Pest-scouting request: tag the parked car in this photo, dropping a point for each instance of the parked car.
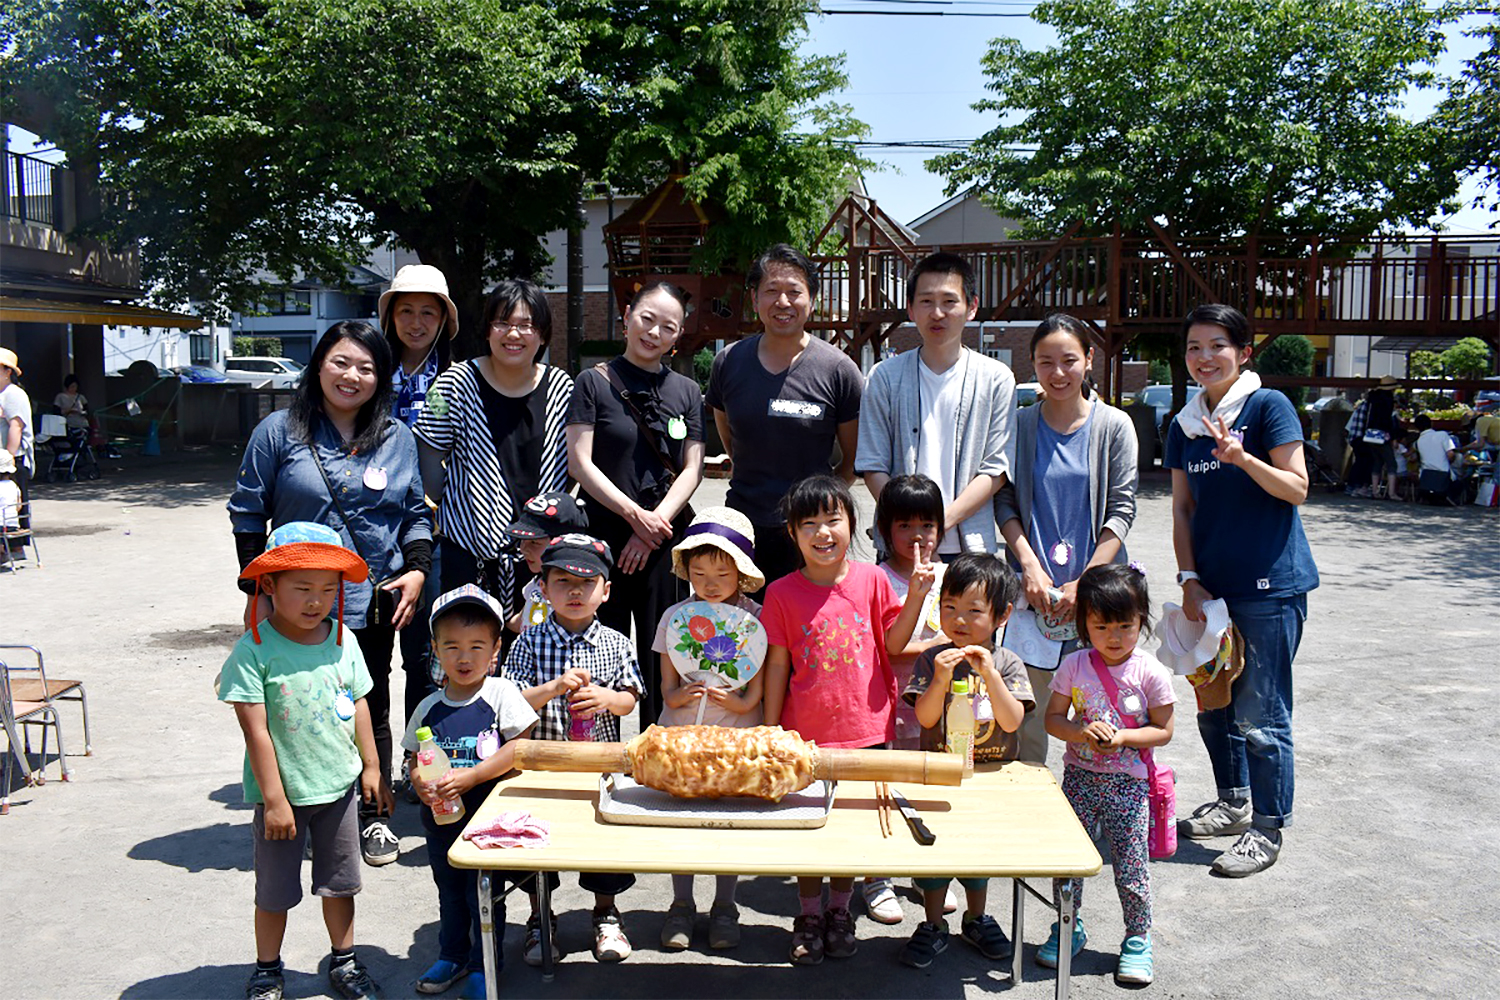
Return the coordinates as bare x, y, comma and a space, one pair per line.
1321, 403
277, 373
1159, 397
197, 373
1487, 400
1028, 393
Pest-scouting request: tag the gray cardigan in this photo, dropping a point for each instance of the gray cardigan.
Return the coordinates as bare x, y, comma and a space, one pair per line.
888, 423
1112, 472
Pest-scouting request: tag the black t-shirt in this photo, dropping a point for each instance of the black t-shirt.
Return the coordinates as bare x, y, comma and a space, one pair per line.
518, 425
621, 452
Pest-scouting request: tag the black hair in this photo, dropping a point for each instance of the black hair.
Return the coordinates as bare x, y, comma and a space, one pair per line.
907, 498
70, 379
442, 346
1382, 410
1114, 592
373, 419
945, 263
1073, 327
1423, 422
503, 300
783, 253
466, 614
990, 574
717, 551
813, 496
658, 285
1216, 314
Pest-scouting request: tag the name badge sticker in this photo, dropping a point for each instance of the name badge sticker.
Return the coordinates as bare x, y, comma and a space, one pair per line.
375, 477
797, 409
343, 704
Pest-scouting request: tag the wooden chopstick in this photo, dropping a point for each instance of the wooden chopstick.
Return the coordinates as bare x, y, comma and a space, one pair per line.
883, 807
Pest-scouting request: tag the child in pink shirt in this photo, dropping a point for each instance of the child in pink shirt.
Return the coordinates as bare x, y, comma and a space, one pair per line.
831, 628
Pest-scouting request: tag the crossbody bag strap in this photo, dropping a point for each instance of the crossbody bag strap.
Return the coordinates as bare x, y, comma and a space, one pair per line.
334, 496
1113, 690
613, 377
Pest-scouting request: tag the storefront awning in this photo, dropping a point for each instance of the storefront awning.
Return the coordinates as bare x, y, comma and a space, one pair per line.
15, 310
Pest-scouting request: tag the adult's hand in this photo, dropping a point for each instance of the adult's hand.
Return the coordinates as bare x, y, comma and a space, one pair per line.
1228, 447
408, 587
1035, 583
650, 526
633, 556
1193, 596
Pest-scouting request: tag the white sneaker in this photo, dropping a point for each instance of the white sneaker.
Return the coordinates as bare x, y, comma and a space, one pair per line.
610, 942
881, 902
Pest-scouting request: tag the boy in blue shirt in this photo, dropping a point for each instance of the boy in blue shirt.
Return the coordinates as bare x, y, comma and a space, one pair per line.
473, 719
298, 691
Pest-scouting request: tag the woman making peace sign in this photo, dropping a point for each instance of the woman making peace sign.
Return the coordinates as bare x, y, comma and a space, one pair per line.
1238, 476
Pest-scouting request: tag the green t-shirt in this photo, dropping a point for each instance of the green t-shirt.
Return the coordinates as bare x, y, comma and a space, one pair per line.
300, 686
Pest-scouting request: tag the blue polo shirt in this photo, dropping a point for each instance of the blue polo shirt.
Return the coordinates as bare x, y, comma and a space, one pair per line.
1246, 543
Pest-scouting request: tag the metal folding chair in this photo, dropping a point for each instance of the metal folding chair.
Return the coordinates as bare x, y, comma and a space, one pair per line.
30, 700
13, 540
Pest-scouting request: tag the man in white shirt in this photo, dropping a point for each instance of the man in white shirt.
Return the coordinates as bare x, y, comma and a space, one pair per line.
1436, 449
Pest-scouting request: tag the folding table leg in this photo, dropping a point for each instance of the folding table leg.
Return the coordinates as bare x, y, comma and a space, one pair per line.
1017, 928
544, 925
487, 935
1065, 920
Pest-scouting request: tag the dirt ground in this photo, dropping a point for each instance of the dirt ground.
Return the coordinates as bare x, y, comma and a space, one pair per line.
134, 878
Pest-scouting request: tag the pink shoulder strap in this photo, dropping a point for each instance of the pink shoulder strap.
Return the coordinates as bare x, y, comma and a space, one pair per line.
1113, 690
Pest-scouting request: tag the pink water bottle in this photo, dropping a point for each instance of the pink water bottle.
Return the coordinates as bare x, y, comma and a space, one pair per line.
1162, 836
580, 728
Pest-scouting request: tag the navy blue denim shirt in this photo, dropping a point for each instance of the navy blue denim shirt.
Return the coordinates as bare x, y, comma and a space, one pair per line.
381, 492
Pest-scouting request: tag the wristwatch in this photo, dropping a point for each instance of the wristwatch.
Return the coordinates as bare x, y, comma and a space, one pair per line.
1184, 575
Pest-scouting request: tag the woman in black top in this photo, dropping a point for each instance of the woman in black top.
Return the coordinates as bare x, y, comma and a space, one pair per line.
637, 482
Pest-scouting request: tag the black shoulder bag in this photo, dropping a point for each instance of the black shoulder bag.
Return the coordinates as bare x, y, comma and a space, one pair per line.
657, 494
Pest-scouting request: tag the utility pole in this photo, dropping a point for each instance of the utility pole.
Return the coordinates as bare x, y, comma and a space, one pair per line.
575, 282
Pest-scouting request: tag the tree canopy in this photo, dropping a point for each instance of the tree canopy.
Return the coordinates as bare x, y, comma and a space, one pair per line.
1218, 117
290, 135
1471, 114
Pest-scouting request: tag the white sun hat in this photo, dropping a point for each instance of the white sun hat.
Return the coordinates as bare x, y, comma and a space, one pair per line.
727, 529
1186, 644
417, 278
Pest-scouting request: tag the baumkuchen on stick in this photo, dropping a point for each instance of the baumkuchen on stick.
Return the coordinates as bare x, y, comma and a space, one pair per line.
764, 762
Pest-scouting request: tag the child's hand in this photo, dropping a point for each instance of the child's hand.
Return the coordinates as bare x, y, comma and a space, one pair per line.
946, 662
1115, 741
980, 660
923, 573
1100, 735
588, 701
426, 791
280, 821
726, 698
573, 679
686, 695
456, 782
376, 790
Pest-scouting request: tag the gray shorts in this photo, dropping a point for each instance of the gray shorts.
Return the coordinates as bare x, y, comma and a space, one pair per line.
334, 828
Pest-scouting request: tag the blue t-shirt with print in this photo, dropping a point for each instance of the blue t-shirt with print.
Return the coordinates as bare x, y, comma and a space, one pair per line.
1246, 543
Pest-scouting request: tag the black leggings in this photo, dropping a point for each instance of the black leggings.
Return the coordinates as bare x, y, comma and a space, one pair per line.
377, 642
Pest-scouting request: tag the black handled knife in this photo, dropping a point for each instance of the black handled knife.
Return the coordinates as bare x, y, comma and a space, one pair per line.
919, 830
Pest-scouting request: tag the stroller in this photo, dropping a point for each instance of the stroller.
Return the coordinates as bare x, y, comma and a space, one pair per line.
1320, 471
72, 455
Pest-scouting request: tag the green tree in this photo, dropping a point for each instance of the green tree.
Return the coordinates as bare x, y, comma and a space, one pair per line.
288, 135
1289, 354
1471, 116
1424, 364
1469, 358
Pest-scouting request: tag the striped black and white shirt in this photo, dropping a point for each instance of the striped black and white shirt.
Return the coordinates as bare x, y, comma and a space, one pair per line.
477, 504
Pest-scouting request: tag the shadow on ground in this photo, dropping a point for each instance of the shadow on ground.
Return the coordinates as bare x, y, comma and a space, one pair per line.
220, 847
229, 980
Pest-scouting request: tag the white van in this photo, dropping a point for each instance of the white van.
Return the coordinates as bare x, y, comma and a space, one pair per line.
274, 373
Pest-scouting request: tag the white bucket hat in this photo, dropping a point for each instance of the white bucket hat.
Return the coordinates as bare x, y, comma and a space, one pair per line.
1186, 644
7, 461
417, 278
727, 529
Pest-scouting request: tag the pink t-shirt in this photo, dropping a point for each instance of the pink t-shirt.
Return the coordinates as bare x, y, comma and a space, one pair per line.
842, 691
1142, 679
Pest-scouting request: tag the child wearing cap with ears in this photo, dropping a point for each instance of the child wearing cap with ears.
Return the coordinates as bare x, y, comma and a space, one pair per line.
473, 718
542, 518
572, 662
298, 691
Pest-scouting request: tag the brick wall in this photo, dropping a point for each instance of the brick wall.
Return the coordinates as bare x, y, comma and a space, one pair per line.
596, 311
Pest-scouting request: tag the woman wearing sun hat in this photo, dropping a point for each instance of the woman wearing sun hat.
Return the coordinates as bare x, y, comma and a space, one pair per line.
15, 420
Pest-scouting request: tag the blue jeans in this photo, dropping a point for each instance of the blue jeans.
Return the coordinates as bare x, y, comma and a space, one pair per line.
459, 939
1249, 743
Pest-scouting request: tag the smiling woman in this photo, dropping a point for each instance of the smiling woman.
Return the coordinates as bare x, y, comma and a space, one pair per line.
337, 458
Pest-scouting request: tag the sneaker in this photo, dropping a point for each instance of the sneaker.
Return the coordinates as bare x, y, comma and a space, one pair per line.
265, 984
807, 939
439, 976
881, 902
1253, 852
352, 982
1135, 965
1215, 819
610, 942
838, 933
677, 929
378, 844
926, 943
985, 934
474, 987
723, 926
531, 950
1046, 955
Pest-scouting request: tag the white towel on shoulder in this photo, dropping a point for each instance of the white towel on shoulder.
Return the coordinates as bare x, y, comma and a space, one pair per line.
1191, 417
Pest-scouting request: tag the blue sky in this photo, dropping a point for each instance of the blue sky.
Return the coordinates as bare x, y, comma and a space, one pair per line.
916, 77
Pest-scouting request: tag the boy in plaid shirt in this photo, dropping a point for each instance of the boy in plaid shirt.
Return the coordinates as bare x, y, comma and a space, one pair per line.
571, 663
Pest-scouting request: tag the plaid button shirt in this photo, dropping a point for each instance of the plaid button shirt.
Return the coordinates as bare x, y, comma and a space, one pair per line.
545, 652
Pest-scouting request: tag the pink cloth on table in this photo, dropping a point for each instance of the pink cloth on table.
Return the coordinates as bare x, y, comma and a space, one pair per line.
511, 829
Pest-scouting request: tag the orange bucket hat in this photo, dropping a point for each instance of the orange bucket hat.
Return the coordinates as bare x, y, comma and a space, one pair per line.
306, 545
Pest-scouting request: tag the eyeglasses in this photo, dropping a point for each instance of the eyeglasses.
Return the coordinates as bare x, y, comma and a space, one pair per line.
503, 326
